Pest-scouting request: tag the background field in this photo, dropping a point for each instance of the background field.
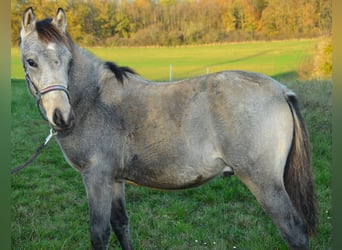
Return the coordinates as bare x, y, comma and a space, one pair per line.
274, 58
49, 207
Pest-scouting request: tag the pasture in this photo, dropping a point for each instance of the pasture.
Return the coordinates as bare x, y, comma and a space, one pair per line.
49, 206
276, 58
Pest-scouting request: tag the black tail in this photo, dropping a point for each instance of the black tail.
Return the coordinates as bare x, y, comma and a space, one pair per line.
298, 177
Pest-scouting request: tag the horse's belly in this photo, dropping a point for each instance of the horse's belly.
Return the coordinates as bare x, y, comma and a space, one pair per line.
176, 175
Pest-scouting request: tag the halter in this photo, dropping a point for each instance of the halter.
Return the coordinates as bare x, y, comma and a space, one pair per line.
37, 95
40, 92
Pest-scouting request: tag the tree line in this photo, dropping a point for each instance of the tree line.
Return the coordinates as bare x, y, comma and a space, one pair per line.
182, 22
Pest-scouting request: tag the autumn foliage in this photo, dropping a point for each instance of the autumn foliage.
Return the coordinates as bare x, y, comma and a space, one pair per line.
182, 22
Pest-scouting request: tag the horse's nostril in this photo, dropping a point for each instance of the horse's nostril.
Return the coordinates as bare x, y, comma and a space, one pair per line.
58, 119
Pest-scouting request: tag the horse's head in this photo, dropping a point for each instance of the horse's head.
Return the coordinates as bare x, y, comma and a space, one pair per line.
46, 56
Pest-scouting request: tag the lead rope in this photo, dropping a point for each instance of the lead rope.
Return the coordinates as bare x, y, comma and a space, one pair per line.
34, 156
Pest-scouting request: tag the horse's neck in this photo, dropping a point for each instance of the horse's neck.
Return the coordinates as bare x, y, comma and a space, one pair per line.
86, 65
84, 76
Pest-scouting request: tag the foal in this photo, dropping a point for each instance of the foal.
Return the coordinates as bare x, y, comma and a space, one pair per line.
113, 126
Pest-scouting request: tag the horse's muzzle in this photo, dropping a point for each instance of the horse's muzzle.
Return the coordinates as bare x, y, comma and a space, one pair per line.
61, 123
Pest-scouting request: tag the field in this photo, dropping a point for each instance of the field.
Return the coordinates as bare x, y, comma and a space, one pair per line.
49, 206
274, 58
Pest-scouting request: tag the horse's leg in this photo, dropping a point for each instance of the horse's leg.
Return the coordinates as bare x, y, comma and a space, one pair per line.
99, 189
271, 194
119, 219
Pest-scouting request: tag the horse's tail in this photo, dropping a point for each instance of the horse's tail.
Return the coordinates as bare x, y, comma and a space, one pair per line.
298, 177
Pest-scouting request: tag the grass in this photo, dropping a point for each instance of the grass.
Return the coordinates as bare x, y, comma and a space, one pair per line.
49, 206
273, 58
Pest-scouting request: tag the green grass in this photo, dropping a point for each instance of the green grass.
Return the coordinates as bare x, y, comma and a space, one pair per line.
49, 206
273, 58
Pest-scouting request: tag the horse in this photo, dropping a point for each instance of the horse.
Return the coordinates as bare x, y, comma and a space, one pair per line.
114, 127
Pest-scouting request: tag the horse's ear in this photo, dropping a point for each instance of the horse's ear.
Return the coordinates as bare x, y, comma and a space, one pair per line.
60, 20
28, 22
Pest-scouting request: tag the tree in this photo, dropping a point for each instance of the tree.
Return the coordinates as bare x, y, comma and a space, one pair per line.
176, 22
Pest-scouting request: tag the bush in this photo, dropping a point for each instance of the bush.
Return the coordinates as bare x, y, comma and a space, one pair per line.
318, 66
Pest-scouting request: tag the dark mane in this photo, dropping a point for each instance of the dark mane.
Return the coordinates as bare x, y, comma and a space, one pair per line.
47, 32
119, 72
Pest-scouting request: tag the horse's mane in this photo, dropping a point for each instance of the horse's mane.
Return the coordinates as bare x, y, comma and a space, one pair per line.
47, 32
119, 72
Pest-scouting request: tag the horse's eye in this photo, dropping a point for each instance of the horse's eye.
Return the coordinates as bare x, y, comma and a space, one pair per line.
32, 63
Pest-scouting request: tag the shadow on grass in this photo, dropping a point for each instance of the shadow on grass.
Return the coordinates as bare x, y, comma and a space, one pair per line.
286, 76
240, 59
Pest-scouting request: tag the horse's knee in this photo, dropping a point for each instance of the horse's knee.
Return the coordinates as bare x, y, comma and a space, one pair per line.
123, 235
120, 225
99, 192
99, 235
99, 238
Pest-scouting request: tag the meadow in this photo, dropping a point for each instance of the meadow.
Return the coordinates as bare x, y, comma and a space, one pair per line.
275, 58
49, 207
